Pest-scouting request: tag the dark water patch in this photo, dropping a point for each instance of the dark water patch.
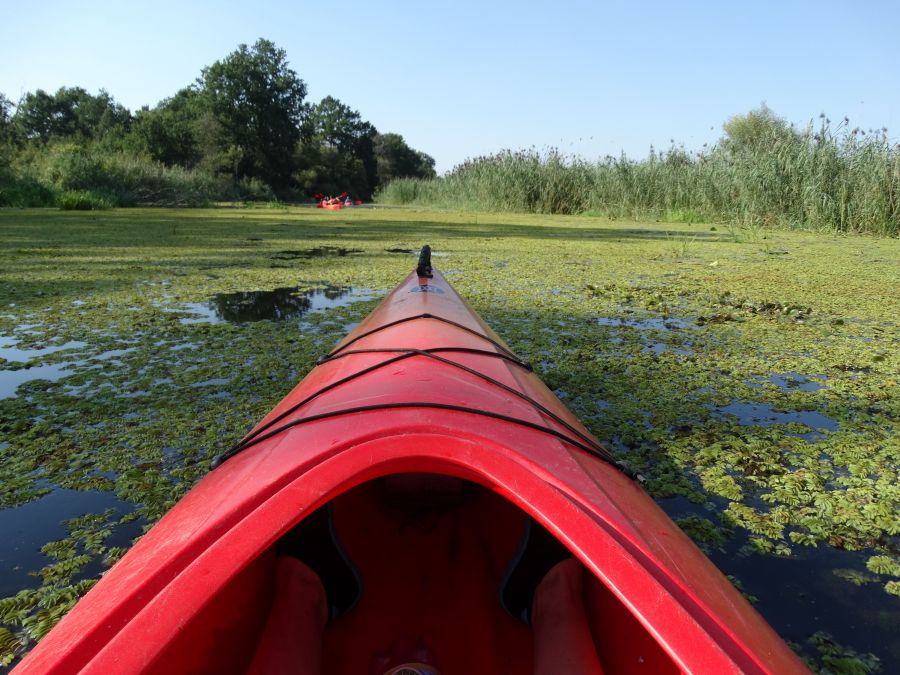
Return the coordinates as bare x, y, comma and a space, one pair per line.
282, 303
26, 528
279, 304
662, 347
316, 252
854, 369
650, 328
202, 312
21, 365
214, 382
11, 352
112, 354
802, 594
815, 589
763, 415
795, 382
645, 322
405, 251
11, 380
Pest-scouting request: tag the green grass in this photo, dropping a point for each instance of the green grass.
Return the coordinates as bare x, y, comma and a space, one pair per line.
710, 317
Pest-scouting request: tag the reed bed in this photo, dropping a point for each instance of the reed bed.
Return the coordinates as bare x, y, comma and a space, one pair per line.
828, 178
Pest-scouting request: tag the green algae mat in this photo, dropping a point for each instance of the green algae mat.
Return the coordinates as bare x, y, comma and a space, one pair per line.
749, 375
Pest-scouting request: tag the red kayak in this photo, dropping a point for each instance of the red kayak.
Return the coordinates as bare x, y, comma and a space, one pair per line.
421, 393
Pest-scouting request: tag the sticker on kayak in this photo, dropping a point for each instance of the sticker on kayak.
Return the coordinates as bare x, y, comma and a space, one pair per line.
426, 288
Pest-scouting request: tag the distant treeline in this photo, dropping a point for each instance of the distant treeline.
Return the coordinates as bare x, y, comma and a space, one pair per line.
762, 172
243, 130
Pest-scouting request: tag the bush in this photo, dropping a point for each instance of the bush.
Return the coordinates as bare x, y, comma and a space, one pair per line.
253, 190
83, 200
115, 178
23, 191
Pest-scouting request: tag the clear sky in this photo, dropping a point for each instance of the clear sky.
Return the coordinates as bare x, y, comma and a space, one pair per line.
460, 79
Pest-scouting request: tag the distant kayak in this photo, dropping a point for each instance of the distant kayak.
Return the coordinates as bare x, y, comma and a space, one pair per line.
339, 205
421, 387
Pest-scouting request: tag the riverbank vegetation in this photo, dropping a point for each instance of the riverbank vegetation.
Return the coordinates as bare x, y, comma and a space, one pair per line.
764, 172
242, 130
750, 375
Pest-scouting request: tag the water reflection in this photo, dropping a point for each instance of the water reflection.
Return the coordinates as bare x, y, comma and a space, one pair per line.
317, 252
647, 327
805, 592
10, 380
764, 415
279, 304
795, 381
11, 352
25, 529
23, 367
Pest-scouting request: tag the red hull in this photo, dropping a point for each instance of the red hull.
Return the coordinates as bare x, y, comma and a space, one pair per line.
192, 594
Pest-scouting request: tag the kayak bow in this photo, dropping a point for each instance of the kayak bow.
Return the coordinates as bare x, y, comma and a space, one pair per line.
421, 386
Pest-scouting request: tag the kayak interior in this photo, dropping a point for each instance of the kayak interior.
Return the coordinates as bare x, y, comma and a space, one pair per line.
432, 553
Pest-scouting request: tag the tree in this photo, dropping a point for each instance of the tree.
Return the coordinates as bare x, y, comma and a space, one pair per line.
258, 102
336, 136
169, 132
70, 113
6, 115
36, 116
397, 160
759, 128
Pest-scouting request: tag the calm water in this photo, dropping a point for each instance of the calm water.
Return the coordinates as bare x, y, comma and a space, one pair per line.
279, 304
801, 594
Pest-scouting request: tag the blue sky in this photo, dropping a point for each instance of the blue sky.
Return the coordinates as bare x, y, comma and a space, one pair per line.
467, 78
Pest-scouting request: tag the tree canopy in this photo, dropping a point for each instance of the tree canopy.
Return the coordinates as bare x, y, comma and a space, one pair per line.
258, 102
244, 119
6, 112
758, 128
397, 160
69, 113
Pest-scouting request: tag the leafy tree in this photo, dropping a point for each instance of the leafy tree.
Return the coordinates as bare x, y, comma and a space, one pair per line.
6, 114
336, 124
397, 160
169, 133
71, 113
337, 140
6, 136
37, 116
323, 168
244, 118
257, 101
759, 128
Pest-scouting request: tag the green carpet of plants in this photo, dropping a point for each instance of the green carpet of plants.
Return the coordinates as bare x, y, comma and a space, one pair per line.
749, 374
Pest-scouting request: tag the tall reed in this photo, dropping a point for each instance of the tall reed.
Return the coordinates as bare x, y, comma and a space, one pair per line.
828, 178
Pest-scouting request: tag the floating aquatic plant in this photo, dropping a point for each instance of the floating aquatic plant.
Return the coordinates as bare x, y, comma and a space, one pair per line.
684, 368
